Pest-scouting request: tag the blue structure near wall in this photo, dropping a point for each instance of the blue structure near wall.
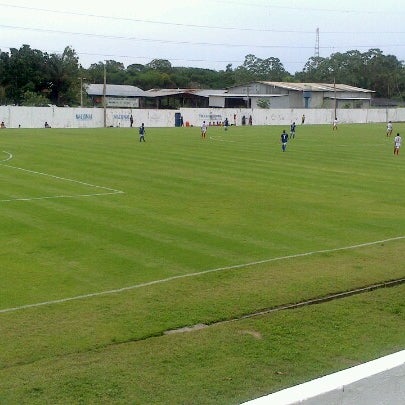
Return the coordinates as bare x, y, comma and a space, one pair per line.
307, 98
177, 119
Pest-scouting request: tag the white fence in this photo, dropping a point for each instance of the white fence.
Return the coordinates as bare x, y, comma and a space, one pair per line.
65, 117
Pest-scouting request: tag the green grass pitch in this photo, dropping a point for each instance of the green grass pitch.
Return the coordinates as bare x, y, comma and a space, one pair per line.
108, 243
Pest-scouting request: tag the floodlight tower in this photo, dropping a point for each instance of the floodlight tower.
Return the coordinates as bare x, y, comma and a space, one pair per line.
317, 44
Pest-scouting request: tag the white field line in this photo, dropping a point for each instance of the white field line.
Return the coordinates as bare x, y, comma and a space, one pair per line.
199, 273
219, 139
106, 192
10, 156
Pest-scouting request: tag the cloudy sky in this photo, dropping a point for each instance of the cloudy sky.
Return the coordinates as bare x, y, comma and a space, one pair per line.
203, 33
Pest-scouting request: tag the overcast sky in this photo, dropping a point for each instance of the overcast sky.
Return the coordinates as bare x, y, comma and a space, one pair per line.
203, 33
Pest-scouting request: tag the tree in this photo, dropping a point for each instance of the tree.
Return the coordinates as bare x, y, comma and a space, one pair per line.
35, 99
371, 70
154, 79
63, 77
27, 72
136, 68
23, 71
4, 62
313, 70
115, 72
254, 68
163, 65
382, 73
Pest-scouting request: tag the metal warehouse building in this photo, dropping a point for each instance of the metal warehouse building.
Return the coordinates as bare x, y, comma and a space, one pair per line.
263, 94
255, 95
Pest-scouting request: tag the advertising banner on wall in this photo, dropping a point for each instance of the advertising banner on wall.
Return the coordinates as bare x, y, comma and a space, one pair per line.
122, 102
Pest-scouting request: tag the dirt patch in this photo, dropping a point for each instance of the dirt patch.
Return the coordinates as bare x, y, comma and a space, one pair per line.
255, 334
186, 329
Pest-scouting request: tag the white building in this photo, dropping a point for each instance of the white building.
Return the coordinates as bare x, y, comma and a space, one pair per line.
263, 94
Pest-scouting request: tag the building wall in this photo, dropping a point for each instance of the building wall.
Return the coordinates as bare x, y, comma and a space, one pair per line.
59, 117
284, 116
274, 102
319, 99
217, 101
316, 100
64, 117
296, 100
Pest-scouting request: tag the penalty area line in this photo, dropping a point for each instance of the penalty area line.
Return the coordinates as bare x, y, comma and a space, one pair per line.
108, 190
10, 156
195, 274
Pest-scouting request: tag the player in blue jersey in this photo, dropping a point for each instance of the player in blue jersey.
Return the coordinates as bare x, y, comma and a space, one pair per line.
284, 140
292, 130
142, 132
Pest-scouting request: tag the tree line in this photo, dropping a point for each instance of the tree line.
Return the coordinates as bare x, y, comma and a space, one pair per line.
30, 77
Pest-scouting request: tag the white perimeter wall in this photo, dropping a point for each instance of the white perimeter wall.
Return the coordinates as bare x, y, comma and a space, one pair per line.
64, 117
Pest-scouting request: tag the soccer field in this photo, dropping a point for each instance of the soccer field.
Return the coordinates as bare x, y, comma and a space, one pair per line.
109, 243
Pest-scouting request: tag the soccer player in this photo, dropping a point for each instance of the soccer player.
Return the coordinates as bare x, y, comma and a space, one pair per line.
397, 144
292, 130
284, 140
389, 128
335, 122
142, 133
203, 130
226, 124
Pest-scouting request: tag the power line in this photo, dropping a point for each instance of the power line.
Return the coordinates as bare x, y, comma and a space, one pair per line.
294, 8
204, 26
232, 45
167, 41
140, 20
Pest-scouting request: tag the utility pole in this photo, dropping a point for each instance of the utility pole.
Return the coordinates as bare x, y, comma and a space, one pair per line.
104, 96
81, 91
334, 91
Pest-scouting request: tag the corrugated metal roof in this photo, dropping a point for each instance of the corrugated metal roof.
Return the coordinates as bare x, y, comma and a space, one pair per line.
114, 90
172, 92
244, 95
210, 92
347, 98
162, 92
316, 86
132, 91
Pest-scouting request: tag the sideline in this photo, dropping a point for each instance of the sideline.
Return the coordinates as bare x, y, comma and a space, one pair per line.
199, 273
108, 191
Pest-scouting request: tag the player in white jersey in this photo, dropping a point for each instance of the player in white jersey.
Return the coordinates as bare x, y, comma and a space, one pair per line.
389, 128
397, 144
203, 130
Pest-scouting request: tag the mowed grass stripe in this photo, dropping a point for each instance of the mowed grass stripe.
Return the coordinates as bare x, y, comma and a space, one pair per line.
236, 362
137, 314
191, 206
216, 206
209, 196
